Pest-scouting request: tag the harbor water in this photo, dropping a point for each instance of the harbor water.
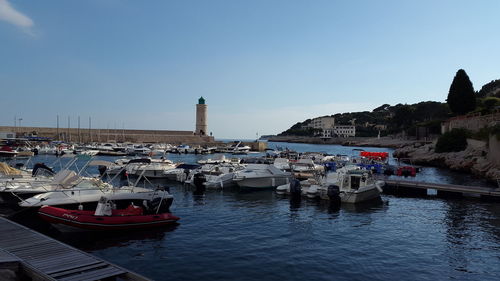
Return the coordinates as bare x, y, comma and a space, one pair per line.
258, 235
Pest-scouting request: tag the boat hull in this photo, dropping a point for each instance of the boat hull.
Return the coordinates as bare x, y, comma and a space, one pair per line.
360, 195
267, 182
87, 221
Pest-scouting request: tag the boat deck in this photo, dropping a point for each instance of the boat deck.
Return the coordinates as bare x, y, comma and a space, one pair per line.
43, 258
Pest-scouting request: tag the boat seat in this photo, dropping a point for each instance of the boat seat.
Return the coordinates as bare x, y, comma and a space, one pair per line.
131, 210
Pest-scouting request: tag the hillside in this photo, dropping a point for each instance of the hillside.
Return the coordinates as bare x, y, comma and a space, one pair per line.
395, 118
491, 89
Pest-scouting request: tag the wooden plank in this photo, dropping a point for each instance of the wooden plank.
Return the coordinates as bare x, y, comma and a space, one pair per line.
54, 265
67, 260
41, 256
63, 260
7, 257
64, 271
102, 273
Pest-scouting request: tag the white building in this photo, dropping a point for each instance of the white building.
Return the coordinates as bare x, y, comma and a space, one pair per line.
327, 133
326, 122
329, 129
345, 131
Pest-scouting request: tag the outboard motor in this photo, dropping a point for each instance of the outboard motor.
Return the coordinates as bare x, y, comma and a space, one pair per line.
102, 169
389, 170
39, 167
35, 151
163, 206
19, 165
198, 180
333, 193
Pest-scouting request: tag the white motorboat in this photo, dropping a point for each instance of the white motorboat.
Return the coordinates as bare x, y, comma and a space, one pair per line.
216, 175
62, 181
181, 172
282, 164
351, 183
138, 150
18, 190
306, 168
87, 198
221, 158
355, 185
261, 176
150, 168
303, 188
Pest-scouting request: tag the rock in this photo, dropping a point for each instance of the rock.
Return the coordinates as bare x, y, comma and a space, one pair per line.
472, 160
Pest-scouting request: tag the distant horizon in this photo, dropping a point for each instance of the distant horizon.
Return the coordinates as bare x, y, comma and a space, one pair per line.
262, 66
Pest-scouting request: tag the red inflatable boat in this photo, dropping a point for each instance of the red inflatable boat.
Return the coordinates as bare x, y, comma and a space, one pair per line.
374, 155
129, 218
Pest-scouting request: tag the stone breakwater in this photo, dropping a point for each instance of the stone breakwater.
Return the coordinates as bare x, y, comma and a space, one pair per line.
474, 159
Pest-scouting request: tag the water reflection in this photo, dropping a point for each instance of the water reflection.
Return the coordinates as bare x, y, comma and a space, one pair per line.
365, 207
458, 234
92, 241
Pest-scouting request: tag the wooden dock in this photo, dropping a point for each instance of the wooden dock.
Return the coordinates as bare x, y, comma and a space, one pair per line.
40, 257
489, 192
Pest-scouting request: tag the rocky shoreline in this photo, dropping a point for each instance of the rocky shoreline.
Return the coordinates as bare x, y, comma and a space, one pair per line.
474, 159
364, 142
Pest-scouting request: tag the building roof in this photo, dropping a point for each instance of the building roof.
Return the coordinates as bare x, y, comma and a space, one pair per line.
201, 100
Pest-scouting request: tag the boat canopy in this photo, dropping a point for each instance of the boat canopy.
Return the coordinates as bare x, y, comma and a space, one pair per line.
140, 160
101, 163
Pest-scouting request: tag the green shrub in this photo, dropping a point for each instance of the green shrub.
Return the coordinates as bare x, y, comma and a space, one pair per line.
453, 141
495, 130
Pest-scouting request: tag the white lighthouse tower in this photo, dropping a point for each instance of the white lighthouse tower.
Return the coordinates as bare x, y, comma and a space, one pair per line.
201, 118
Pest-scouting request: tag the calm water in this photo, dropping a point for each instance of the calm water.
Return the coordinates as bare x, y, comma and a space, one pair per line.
234, 235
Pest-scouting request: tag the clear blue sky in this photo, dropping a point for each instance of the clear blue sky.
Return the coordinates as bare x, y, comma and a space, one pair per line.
261, 65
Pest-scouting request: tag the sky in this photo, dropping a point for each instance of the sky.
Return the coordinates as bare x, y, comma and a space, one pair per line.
261, 65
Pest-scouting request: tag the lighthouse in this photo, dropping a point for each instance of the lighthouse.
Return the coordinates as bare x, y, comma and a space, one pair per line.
201, 117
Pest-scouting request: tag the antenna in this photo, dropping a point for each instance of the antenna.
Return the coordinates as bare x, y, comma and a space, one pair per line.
79, 136
57, 130
68, 137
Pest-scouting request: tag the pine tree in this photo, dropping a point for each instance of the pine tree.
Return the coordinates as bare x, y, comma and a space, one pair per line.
461, 98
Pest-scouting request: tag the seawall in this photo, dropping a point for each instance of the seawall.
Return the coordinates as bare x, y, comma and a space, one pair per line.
111, 135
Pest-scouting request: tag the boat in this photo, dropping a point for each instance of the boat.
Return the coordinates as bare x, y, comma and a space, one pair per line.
282, 164
216, 175
355, 185
406, 171
181, 172
149, 168
183, 148
306, 168
221, 158
375, 156
105, 217
239, 149
7, 151
87, 198
17, 190
350, 184
261, 176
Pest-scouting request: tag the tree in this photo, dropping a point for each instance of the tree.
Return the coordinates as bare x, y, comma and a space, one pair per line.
453, 141
461, 97
403, 117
